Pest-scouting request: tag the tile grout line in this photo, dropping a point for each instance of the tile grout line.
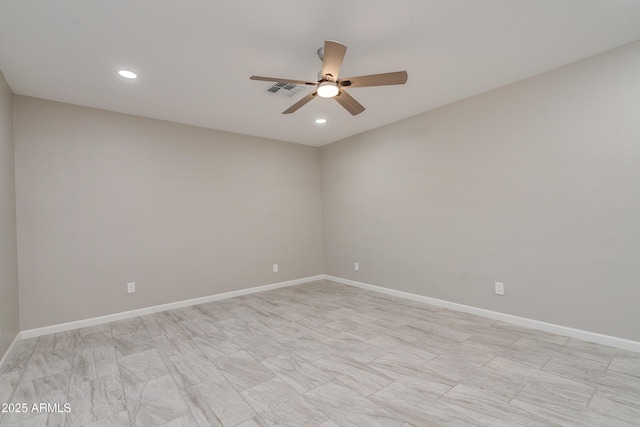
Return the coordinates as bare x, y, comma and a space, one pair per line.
316, 406
608, 364
124, 393
546, 363
26, 365
155, 346
73, 354
213, 362
592, 396
258, 414
516, 395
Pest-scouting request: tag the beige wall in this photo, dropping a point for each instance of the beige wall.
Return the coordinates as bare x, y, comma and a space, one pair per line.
105, 198
9, 318
535, 185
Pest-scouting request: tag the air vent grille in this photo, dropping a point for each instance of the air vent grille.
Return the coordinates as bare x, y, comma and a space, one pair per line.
288, 90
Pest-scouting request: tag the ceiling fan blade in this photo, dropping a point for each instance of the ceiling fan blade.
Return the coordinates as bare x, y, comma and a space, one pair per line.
396, 78
349, 103
276, 79
300, 103
332, 59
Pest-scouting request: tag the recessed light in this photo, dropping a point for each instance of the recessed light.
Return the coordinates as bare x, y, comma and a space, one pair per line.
321, 121
128, 74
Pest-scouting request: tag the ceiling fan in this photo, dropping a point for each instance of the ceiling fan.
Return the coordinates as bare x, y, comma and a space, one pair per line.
330, 86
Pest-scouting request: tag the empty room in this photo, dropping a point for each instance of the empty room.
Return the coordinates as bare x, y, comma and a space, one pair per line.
325, 214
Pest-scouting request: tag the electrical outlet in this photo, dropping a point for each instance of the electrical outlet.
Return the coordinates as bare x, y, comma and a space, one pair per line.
275, 268
131, 287
499, 288
356, 266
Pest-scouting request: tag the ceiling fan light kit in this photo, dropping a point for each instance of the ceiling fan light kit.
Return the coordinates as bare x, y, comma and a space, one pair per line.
330, 86
327, 89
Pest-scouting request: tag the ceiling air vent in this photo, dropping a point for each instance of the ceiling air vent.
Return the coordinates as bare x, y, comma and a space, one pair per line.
285, 89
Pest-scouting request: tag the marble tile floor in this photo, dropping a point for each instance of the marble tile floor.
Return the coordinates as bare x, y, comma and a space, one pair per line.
318, 354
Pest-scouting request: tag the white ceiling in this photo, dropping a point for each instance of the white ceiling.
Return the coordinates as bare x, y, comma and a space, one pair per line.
194, 57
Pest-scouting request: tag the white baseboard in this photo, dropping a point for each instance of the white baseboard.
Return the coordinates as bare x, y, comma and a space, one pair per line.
6, 354
516, 320
30, 333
